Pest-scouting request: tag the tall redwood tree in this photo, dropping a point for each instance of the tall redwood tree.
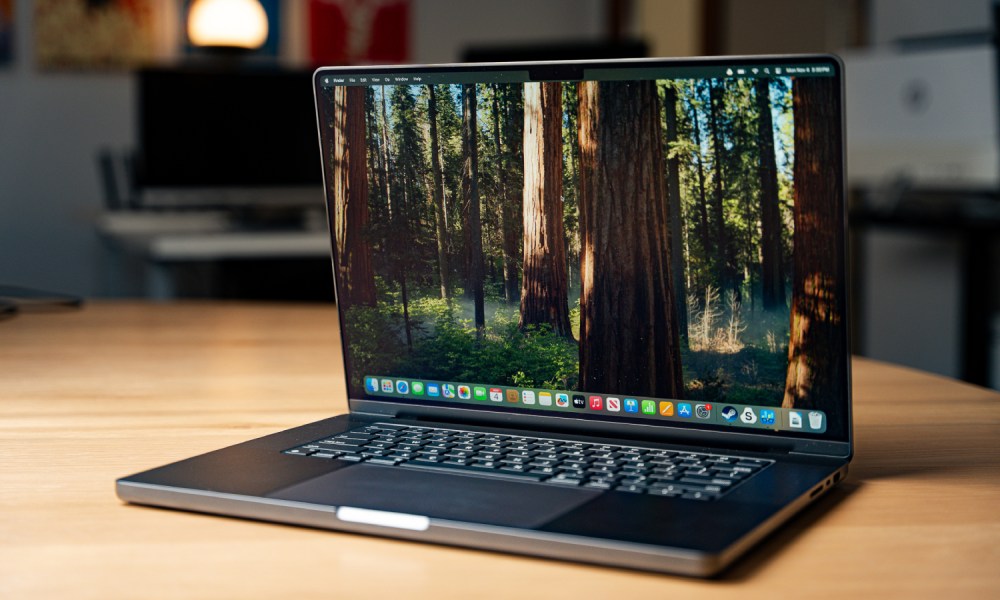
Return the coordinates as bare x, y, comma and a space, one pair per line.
629, 339
470, 196
349, 191
772, 274
816, 344
544, 295
438, 193
675, 215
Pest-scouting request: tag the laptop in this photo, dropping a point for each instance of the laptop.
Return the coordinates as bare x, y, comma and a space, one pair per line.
591, 311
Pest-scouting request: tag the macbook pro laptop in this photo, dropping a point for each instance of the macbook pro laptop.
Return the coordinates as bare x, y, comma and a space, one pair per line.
592, 311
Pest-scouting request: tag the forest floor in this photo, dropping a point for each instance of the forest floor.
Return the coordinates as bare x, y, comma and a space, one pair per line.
751, 376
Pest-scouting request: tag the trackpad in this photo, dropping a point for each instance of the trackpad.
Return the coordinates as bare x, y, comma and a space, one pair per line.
439, 495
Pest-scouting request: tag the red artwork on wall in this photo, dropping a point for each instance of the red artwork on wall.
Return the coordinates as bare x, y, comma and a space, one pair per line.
359, 31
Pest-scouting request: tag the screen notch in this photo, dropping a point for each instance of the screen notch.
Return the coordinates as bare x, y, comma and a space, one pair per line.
555, 72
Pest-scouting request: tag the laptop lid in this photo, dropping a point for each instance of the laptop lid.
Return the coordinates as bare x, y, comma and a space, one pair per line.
642, 247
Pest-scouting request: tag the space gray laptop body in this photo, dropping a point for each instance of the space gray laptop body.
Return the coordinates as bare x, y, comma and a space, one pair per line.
589, 311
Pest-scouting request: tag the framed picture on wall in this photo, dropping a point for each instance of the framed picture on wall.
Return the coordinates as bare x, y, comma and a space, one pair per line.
344, 32
93, 34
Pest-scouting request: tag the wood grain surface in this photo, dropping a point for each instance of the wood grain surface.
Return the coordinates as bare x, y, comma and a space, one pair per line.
88, 396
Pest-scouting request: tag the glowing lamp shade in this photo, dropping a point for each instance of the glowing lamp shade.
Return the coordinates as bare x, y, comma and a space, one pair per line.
227, 23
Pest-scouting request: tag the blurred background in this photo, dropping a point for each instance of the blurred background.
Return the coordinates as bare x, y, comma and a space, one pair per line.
166, 148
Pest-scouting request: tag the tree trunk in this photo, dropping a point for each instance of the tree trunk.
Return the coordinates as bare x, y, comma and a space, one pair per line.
544, 295
373, 152
349, 190
718, 216
438, 195
816, 349
772, 276
675, 216
703, 234
629, 339
512, 195
470, 191
385, 157
507, 260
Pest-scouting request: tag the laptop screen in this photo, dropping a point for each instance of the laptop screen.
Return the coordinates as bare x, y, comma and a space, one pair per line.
659, 242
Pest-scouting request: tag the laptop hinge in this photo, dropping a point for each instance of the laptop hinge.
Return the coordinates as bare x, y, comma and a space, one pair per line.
691, 438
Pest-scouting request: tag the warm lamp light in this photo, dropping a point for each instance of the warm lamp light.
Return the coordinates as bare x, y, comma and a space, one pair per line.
227, 23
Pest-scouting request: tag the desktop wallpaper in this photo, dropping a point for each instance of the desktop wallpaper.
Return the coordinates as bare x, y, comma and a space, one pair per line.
631, 237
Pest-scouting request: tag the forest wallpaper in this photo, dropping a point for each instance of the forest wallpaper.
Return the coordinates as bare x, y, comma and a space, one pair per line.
629, 237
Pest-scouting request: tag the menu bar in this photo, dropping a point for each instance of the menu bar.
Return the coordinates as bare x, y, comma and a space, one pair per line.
408, 78
752, 71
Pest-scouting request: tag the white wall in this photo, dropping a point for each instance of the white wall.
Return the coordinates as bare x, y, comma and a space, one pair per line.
443, 28
52, 125
892, 20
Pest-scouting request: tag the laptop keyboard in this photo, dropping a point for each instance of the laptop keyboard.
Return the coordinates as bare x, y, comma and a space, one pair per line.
621, 468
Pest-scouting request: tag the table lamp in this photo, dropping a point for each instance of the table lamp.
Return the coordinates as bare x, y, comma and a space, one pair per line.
229, 24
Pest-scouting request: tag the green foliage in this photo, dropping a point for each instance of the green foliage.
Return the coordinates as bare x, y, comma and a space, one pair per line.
448, 347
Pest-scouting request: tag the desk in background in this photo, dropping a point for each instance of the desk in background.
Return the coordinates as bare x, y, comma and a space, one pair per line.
969, 217
163, 244
89, 396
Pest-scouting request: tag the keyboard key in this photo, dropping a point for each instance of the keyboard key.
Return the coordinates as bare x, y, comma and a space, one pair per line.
663, 492
632, 489
547, 471
351, 457
513, 467
718, 481
679, 488
300, 451
698, 496
562, 479
340, 447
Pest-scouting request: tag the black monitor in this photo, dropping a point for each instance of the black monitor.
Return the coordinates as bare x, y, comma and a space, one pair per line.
210, 137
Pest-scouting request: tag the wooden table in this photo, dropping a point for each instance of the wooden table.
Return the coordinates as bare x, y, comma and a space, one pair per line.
89, 396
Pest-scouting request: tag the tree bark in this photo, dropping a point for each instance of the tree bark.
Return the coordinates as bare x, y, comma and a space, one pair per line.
349, 190
513, 193
544, 295
816, 349
772, 275
722, 249
675, 215
438, 194
507, 217
470, 191
629, 339
385, 157
703, 234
